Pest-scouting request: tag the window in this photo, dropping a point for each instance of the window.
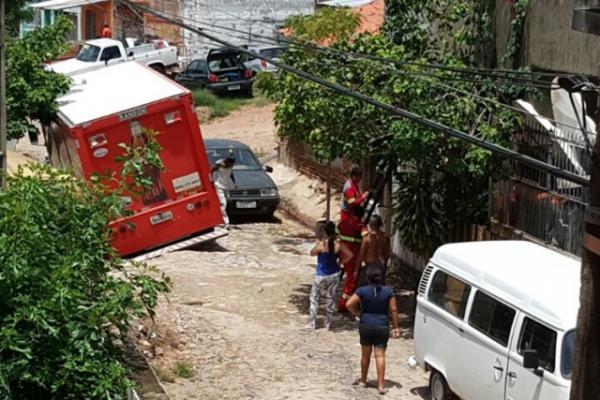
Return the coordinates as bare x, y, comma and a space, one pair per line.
449, 293
568, 352
535, 336
111, 53
88, 53
193, 67
492, 318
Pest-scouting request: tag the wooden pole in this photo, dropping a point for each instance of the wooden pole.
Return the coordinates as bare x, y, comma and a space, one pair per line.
585, 383
3, 150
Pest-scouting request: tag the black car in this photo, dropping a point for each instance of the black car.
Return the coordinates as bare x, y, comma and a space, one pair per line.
222, 73
256, 193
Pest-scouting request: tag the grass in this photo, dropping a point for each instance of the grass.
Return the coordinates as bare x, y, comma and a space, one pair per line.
163, 374
223, 106
183, 370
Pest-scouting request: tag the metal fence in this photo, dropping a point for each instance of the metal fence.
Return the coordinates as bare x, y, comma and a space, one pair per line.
548, 208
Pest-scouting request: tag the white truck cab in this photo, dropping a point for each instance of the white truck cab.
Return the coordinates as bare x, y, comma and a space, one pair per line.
496, 321
98, 52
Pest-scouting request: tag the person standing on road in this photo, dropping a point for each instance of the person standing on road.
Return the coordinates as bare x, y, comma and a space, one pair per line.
350, 232
351, 196
222, 173
329, 254
375, 251
374, 304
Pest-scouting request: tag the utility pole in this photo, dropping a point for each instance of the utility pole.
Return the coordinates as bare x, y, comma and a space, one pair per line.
3, 152
585, 382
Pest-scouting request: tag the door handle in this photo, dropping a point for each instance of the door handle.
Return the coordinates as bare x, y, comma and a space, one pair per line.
497, 368
461, 330
512, 375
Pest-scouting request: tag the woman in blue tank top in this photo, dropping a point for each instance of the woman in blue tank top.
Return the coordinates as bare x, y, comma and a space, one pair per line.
330, 254
374, 304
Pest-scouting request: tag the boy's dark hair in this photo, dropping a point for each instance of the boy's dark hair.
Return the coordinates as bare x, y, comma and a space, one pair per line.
376, 221
355, 172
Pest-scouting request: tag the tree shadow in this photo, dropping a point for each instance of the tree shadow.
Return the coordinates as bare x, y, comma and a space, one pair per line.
209, 247
253, 219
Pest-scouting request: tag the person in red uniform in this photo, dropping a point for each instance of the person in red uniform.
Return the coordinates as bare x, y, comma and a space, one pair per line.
351, 195
106, 32
350, 232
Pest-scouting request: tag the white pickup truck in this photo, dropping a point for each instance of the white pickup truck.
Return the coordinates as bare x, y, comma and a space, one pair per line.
156, 54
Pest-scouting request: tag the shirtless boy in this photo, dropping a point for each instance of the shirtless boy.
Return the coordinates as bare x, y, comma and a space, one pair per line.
374, 252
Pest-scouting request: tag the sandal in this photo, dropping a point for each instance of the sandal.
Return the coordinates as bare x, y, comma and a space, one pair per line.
358, 382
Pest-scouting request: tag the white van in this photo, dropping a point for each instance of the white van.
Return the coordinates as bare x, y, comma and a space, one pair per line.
495, 321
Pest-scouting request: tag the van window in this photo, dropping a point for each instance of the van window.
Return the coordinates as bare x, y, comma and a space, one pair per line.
568, 354
535, 336
491, 317
449, 293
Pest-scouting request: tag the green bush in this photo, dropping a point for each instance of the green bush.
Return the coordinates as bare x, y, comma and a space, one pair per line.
66, 302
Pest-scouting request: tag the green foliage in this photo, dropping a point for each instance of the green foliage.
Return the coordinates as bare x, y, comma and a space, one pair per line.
329, 24
515, 39
183, 370
17, 11
66, 302
223, 106
31, 90
445, 181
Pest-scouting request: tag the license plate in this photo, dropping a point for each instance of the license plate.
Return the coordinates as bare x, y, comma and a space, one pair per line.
161, 217
234, 87
245, 204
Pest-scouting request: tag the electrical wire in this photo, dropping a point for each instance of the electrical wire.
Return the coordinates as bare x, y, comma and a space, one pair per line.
435, 126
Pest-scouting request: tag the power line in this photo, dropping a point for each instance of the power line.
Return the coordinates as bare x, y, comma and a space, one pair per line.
435, 126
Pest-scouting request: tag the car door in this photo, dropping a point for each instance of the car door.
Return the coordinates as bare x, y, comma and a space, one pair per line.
438, 334
195, 75
485, 346
540, 384
111, 55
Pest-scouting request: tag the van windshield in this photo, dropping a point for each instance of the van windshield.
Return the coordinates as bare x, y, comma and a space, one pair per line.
568, 350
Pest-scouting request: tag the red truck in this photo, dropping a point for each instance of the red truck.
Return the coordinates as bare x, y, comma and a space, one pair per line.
112, 105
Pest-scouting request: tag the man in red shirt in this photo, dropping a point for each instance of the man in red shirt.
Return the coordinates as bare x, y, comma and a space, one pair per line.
351, 196
106, 32
350, 232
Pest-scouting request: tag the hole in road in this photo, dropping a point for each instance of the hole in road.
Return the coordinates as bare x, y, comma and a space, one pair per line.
294, 245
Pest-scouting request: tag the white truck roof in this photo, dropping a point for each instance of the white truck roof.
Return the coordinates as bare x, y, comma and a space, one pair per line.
114, 89
533, 278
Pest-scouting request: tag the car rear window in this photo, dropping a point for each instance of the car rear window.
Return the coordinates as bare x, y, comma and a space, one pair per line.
225, 61
272, 53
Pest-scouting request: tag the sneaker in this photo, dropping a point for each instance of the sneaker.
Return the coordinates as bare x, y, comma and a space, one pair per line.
308, 327
328, 326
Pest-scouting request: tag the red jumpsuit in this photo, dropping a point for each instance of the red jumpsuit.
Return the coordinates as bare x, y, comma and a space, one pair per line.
350, 231
351, 197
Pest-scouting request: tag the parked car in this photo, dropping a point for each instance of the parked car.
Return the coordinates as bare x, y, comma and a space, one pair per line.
158, 55
257, 64
256, 193
496, 320
222, 72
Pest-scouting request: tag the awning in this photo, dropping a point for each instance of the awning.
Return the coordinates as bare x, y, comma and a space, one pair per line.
63, 4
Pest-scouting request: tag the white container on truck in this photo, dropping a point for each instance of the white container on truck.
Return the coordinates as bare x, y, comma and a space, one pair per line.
158, 55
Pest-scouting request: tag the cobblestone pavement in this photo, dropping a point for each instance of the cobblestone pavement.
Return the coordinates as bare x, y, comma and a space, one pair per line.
235, 316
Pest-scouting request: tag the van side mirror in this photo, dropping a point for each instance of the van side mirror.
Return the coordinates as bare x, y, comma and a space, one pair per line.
268, 169
531, 359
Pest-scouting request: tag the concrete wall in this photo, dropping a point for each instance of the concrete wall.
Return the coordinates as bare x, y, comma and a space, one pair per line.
549, 42
255, 16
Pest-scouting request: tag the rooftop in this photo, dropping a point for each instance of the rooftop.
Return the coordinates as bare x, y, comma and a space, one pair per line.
526, 275
114, 89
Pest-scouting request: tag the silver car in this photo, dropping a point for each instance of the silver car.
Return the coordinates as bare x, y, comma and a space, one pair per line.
258, 65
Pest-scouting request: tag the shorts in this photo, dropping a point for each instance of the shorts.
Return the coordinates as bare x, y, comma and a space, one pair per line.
377, 335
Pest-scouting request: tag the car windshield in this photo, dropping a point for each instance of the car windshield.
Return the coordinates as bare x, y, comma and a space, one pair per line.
244, 158
567, 354
88, 53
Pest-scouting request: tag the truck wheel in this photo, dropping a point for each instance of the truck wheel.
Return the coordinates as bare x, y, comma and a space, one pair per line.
438, 387
248, 93
159, 68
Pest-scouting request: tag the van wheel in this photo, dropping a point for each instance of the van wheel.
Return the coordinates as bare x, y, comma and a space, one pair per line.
438, 388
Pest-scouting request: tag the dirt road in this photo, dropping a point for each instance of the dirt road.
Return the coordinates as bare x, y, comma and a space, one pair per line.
235, 316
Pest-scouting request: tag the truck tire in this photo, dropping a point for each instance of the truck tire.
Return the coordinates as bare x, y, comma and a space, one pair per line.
438, 387
159, 68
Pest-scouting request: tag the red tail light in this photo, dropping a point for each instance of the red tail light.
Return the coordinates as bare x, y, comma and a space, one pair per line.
212, 78
247, 73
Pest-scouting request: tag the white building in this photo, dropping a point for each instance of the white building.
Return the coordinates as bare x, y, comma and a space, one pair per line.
261, 17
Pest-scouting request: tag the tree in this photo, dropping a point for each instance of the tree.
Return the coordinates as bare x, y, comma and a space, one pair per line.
444, 182
31, 89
